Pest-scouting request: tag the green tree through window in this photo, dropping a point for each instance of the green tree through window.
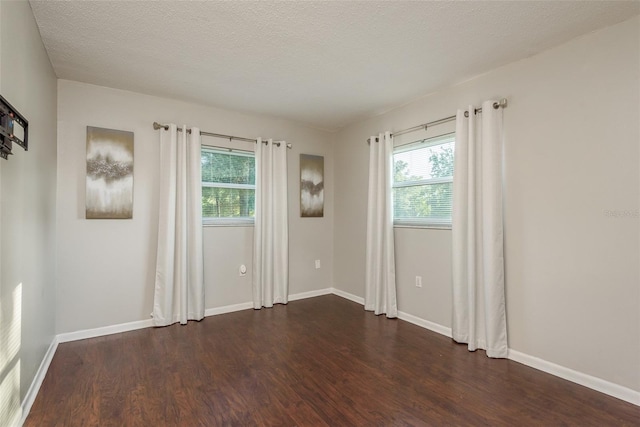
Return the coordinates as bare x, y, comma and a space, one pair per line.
228, 184
423, 182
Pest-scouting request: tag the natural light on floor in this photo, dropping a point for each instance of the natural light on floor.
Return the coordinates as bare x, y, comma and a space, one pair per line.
10, 332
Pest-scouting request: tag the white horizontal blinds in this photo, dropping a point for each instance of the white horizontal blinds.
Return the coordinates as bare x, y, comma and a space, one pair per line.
228, 184
423, 181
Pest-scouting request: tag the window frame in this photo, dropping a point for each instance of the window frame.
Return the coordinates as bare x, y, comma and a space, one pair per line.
227, 221
416, 145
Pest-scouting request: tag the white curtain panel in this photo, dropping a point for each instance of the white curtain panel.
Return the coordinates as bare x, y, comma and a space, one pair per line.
271, 233
380, 279
478, 262
179, 285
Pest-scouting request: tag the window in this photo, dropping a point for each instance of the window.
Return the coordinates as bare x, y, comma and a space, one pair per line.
423, 182
228, 187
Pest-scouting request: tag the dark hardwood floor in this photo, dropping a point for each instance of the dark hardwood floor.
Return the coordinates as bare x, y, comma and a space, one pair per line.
316, 362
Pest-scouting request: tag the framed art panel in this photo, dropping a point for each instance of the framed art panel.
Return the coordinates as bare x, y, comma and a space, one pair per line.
311, 186
109, 188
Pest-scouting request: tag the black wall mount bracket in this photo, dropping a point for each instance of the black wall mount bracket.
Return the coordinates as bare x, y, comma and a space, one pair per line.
9, 116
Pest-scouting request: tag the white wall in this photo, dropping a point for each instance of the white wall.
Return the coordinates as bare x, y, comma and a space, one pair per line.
571, 154
106, 268
27, 210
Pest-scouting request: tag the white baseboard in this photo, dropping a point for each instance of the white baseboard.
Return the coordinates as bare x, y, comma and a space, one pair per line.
311, 294
401, 314
227, 309
435, 327
105, 330
31, 394
347, 295
141, 324
247, 305
594, 383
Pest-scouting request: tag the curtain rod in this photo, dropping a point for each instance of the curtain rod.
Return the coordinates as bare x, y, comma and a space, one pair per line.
157, 126
498, 104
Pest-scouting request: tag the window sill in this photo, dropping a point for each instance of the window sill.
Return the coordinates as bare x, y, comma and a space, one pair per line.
227, 222
423, 226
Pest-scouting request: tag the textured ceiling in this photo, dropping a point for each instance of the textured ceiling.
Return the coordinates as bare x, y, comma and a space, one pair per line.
325, 64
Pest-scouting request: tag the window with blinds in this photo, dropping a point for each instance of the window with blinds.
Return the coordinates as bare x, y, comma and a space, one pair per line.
228, 187
423, 182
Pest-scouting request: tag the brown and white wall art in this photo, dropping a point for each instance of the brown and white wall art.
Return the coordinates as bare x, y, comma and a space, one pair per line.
311, 185
109, 193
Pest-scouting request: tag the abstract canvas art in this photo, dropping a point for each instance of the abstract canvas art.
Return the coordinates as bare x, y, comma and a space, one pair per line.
109, 174
311, 186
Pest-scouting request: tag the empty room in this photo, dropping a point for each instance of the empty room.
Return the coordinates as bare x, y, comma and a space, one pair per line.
319, 213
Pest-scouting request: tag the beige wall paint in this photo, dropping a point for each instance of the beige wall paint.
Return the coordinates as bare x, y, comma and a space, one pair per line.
27, 210
571, 154
106, 267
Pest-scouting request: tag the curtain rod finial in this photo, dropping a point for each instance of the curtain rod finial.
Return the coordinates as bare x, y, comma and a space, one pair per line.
501, 103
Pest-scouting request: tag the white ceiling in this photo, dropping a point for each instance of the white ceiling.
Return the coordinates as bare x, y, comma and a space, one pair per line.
326, 64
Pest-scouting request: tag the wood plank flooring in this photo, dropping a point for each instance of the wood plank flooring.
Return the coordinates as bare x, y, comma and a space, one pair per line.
316, 362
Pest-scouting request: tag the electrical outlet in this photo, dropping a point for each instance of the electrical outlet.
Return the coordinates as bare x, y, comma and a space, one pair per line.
317, 263
418, 281
243, 270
